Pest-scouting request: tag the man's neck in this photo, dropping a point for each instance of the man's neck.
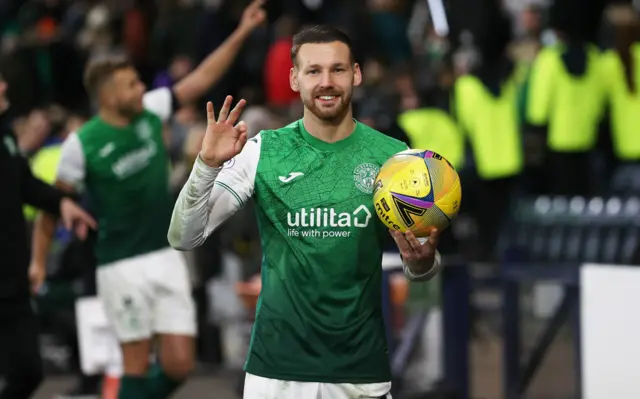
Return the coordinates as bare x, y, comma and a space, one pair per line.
329, 132
114, 118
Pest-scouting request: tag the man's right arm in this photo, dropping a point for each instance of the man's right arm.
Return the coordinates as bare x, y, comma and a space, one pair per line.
211, 195
71, 172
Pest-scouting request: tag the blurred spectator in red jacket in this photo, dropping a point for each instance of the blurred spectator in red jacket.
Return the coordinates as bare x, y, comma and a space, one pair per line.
278, 63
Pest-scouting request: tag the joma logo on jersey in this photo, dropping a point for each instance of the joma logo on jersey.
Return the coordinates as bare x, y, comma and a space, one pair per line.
326, 222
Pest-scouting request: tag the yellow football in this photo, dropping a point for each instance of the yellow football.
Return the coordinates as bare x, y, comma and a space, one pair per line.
417, 190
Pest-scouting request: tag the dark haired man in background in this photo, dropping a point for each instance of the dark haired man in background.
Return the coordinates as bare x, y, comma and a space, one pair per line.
20, 362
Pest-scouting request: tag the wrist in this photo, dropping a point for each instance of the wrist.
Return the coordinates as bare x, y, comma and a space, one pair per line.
40, 265
422, 266
210, 162
422, 270
241, 33
69, 196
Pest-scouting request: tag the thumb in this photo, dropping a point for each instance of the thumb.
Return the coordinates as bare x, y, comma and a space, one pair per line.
434, 238
241, 127
255, 5
82, 230
242, 140
86, 219
36, 283
34, 279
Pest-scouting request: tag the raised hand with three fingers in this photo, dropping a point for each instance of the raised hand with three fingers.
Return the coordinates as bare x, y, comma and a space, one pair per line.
223, 138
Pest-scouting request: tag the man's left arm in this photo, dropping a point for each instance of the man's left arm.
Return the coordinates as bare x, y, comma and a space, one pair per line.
215, 65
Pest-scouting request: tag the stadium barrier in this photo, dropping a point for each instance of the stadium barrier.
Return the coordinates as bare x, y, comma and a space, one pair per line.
566, 240
610, 325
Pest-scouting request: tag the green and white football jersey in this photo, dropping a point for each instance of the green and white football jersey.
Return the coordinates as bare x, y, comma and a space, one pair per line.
319, 315
125, 172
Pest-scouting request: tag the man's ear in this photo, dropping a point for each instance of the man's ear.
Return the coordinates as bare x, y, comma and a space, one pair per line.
293, 80
357, 74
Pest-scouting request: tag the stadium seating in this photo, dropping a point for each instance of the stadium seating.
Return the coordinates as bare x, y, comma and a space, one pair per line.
573, 230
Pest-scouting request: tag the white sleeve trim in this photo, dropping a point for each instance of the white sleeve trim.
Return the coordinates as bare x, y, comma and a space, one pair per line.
212, 195
160, 102
435, 268
72, 165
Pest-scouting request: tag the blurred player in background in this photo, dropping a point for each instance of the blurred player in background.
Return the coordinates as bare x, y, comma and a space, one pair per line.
319, 329
119, 158
20, 361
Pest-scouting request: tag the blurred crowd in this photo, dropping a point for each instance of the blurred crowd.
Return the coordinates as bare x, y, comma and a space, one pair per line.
411, 89
521, 98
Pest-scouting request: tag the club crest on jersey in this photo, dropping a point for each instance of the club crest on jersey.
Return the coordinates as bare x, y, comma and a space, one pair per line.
229, 163
143, 130
364, 176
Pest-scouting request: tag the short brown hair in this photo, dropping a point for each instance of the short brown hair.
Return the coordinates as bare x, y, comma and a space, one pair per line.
100, 69
319, 34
